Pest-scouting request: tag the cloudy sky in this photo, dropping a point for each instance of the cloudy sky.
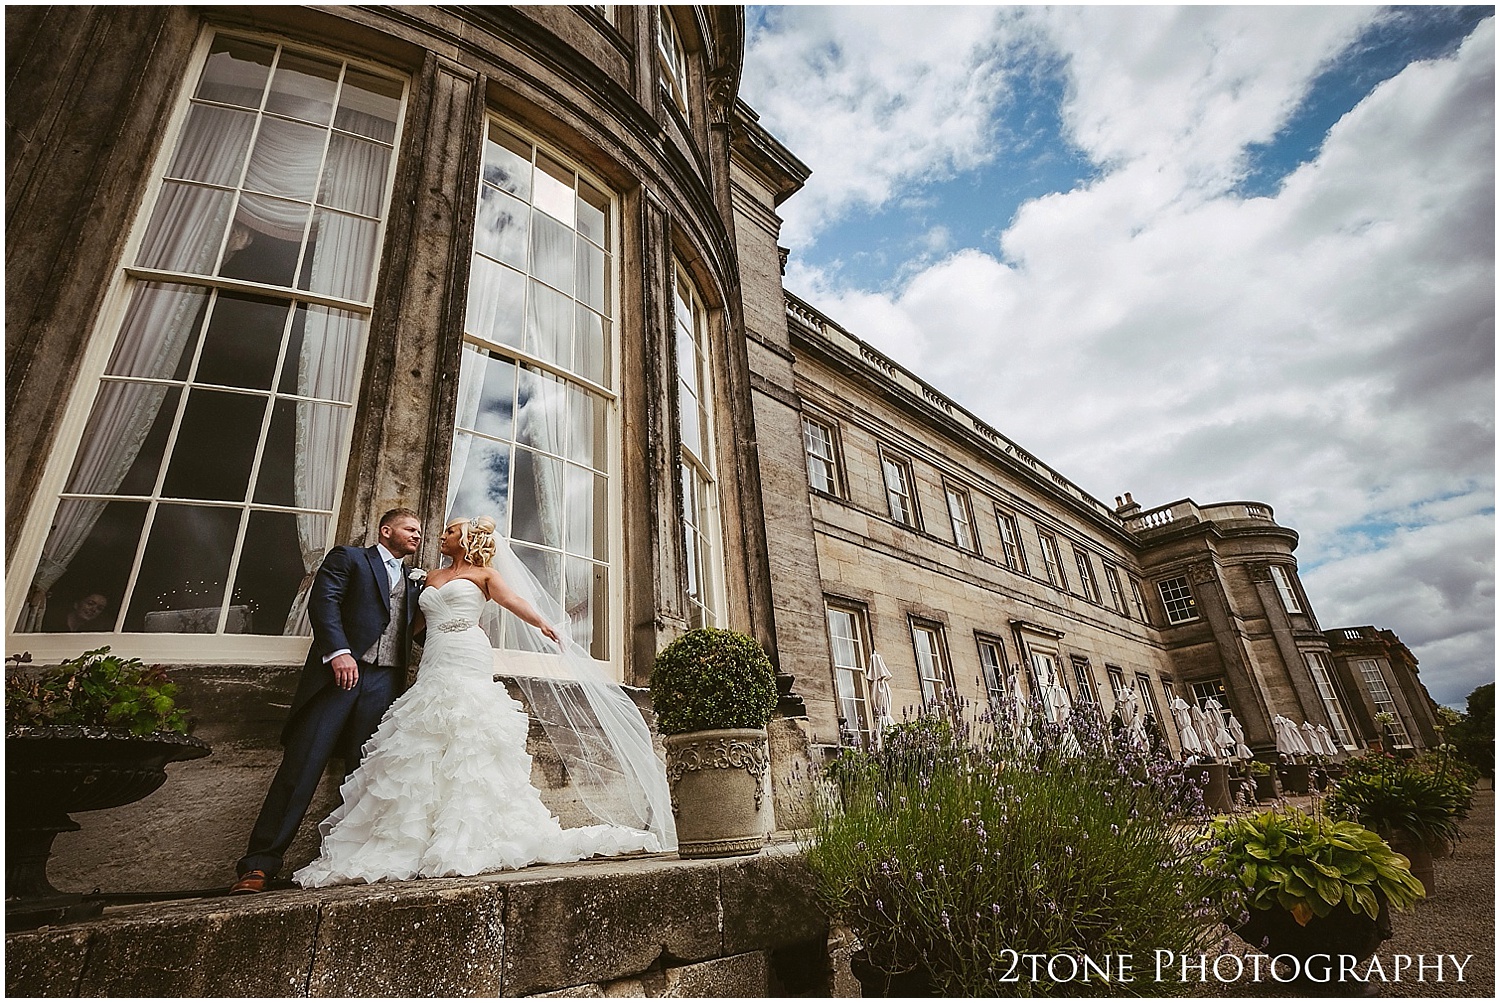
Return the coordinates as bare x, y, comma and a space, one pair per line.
1212, 252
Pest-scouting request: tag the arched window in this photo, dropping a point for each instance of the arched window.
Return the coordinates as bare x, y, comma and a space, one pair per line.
202, 490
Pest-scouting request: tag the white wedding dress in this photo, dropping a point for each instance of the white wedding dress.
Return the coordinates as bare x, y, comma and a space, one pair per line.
444, 787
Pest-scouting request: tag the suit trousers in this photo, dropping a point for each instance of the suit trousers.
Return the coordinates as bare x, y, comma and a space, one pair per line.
335, 722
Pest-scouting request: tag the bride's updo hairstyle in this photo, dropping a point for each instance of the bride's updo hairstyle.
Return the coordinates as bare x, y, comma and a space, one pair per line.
478, 539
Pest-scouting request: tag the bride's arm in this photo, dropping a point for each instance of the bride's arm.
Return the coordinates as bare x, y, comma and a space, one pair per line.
496, 588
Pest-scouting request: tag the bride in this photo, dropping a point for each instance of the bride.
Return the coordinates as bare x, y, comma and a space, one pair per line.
444, 787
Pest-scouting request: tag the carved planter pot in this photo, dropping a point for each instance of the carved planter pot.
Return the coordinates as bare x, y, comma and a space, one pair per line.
1265, 787
721, 791
1342, 932
53, 771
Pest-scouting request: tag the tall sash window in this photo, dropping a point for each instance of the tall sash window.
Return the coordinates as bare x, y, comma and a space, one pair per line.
700, 483
534, 439
203, 489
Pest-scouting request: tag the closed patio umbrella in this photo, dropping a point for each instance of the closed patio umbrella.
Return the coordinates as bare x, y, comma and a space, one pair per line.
1204, 729
1223, 740
1241, 750
1192, 745
879, 677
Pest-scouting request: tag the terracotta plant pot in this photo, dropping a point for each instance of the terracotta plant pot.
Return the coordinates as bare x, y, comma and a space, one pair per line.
721, 791
1415, 849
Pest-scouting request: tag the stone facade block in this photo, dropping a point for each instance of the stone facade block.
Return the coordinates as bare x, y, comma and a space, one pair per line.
45, 963
770, 901
405, 940
741, 975
261, 948
611, 923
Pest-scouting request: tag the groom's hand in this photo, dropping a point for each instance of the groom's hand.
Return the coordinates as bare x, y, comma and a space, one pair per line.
345, 671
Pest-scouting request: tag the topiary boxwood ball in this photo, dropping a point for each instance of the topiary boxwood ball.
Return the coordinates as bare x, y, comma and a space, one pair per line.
711, 678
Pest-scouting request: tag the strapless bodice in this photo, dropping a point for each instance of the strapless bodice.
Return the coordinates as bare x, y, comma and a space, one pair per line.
450, 607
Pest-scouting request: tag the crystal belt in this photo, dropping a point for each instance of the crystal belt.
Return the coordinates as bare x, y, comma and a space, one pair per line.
451, 626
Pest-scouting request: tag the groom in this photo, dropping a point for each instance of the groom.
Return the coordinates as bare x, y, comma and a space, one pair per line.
361, 607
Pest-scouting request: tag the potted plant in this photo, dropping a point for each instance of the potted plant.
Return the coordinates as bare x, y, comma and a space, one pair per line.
1265, 780
1307, 885
713, 691
1415, 810
95, 732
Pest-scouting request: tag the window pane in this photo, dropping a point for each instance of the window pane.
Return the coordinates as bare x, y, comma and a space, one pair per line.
122, 450
156, 337
243, 341
536, 511
541, 412
585, 508
186, 229
507, 162
547, 567
354, 175
587, 440
369, 106
591, 275
215, 446
303, 88
183, 597
593, 214
272, 572
591, 347
588, 605
479, 478
236, 72
341, 259
554, 190
493, 411
315, 432
549, 326
552, 253
90, 550
497, 297
501, 226
286, 159
213, 145
265, 241
324, 355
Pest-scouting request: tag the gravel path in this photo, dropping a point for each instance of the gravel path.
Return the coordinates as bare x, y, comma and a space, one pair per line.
1457, 918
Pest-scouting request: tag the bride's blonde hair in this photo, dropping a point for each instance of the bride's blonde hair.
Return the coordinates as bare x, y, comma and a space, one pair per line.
478, 538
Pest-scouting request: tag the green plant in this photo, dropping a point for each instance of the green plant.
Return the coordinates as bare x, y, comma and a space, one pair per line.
1309, 865
711, 678
1402, 796
96, 689
1258, 769
950, 851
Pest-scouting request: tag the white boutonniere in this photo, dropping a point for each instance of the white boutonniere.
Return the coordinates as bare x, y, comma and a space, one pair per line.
417, 575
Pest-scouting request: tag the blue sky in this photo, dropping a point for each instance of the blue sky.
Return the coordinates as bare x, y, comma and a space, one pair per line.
1218, 252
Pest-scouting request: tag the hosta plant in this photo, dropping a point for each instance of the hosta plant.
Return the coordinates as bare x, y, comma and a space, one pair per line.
1309, 865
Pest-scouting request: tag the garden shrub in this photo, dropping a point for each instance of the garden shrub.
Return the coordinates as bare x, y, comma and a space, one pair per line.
96, 689
711, 678
950, 847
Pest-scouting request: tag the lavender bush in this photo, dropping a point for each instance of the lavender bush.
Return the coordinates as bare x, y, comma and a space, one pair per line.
955, 851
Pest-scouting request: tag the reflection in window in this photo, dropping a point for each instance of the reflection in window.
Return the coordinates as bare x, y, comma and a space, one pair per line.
531, 440
933, 672
822, 459
898, 490
201, 497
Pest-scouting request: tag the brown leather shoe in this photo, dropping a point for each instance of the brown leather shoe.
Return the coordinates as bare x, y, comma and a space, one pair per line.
249, 883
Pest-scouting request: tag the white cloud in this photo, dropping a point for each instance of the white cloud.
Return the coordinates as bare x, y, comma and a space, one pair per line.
1328, 350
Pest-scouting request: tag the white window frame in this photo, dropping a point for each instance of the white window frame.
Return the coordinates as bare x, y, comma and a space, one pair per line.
855, 675
1010, 541
1322, 674
961, 515
1138, 600
707, 521
822, 454
1283, 582
1380, 695
1052, 559
1116, 595
900, 500
1083, 678
992, 668
1087, 583
935, 672
1178, 600
535, 663
671, 57
224, 648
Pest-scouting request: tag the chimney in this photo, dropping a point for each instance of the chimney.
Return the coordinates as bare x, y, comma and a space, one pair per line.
1127, 508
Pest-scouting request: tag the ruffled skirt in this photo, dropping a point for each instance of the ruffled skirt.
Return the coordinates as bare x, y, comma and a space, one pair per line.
444, 787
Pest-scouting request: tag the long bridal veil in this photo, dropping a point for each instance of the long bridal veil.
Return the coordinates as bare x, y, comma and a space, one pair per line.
591, 721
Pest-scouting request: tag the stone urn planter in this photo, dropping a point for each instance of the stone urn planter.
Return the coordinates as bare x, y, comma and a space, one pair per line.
1420, 854
1276, 932
1213, 780
713, 691
53, 771
1265, 787
721, 791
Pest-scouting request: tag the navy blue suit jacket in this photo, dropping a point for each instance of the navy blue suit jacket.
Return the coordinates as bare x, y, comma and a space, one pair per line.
349, 606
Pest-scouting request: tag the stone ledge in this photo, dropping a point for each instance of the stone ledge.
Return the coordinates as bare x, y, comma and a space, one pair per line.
684, 926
